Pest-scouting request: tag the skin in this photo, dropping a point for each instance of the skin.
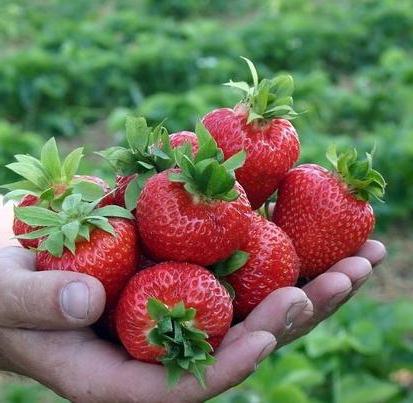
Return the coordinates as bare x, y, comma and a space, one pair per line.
42, 340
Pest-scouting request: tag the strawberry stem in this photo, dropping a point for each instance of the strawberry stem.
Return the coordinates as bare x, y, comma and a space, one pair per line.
74, 220
267, 99
363, 181
207, 175
186, 347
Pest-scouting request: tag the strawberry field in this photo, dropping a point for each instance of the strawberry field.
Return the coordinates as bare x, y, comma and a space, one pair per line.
75, 69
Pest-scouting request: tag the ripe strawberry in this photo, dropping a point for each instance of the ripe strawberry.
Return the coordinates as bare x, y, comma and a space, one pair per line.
327, 214
268, 261
101, 242
259, 125
167, 312
148, 152
195, 214
184, 137
47, 180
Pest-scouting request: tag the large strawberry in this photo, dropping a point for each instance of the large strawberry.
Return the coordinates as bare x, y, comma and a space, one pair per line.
327, 214
47, 180
268, 261
176, 314
82, 237
197, 213
259, 125
148, 152
180, 138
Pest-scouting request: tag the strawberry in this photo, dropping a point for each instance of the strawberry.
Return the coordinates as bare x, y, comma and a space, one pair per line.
81, 237
197, 213
180, 138
47, 180
267, 261
327, 214
167, 313
148, 152
259, 125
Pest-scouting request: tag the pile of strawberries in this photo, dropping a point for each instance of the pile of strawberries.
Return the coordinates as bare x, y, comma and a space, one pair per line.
186, 243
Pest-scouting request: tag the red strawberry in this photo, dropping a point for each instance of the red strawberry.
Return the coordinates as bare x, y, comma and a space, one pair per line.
197, 213
258, 125
81, 238
179, 301
270, 262
47, 180
327, 214
180, 138
174, 225
149, 152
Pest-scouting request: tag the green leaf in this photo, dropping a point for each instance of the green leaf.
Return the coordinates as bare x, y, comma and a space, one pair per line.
113, 211
29, 173
156, 309
71, 202
240, 85
71, 163
137, 132
22, 185
132, 194
236, 161
53, 244
40, 233
50, 160
284, 86
90, 191
103, 224
253, 71
71, 230
236, 261
16, 195
38, 216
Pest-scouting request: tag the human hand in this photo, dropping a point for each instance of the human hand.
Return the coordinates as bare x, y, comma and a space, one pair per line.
83, 368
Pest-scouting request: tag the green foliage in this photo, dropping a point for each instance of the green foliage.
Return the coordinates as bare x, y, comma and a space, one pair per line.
351, 358
65, 65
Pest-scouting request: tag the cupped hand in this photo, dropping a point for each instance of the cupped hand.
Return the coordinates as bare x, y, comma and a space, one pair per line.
76, 364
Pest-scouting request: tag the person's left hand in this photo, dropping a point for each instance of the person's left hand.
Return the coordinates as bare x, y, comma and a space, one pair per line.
83, 368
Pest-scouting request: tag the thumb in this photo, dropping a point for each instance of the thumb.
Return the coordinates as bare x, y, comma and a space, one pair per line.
47, 299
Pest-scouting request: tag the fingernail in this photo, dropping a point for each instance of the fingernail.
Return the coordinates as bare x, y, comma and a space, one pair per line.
336, 299
294, 312
268, 341
74, 300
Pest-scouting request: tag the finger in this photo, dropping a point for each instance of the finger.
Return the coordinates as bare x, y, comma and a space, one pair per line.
48, 299
357, 269
235, 362
374, 251
326, 292
278, 313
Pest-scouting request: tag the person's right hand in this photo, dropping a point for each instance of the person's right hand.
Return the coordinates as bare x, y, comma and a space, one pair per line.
79, 366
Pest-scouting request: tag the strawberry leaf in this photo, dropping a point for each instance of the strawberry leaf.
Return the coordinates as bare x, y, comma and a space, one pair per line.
50, 160
71, 163
38, 216
90, 191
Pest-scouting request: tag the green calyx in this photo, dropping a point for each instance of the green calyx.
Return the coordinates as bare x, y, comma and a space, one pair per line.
73, 222
48, 177
186, 347
207, 175
149, 152
224, 268
363, 181
267, 99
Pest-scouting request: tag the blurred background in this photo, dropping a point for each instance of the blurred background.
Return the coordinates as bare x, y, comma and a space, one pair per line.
74, 69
